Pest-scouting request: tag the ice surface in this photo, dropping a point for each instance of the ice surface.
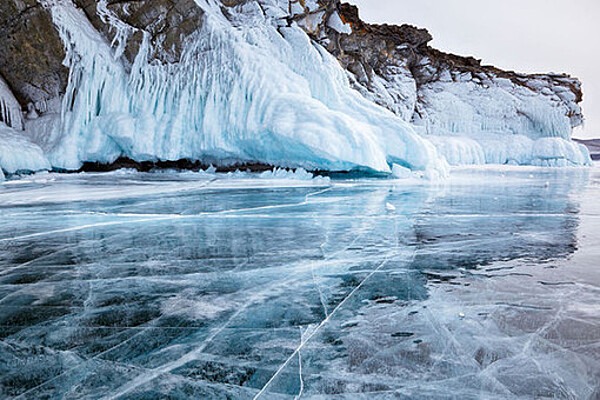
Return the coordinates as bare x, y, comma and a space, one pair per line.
179, 285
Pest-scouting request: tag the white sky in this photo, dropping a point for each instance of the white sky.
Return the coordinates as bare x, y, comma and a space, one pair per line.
519, 35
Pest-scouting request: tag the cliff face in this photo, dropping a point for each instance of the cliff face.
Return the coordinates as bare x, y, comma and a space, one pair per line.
167, 23
32, 52
395, 67
63, 55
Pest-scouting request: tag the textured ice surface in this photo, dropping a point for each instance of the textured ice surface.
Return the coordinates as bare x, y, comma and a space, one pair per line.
502, 149
467, 107
500, 123
130, 285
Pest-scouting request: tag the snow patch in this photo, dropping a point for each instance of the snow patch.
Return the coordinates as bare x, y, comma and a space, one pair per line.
336, 23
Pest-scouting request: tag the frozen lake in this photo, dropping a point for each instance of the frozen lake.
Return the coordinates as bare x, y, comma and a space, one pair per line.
146, 286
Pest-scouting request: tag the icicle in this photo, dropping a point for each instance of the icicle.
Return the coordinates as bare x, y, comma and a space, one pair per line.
10, 109
122, 30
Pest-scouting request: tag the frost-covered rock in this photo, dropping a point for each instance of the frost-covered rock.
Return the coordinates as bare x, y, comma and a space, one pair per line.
455, 97
32, 53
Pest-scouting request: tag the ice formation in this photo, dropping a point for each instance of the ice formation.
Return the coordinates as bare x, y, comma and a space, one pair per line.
10, 110
17, 152
499, 123
253, 92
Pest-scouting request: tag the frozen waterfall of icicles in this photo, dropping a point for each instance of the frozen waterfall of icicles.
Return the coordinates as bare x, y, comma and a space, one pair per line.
10, 110
256, 92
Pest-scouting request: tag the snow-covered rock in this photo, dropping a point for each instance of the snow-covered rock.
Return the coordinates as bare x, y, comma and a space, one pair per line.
455, 101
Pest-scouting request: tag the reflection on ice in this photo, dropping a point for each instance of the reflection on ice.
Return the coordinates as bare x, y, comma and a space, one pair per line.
195, 286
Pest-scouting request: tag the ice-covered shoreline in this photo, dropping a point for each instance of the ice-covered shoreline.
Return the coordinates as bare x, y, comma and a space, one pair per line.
264, 82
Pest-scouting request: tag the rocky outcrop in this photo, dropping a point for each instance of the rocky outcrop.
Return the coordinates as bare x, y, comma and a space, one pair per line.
32, 53
391, 65
167, 22
395, 67
31, 60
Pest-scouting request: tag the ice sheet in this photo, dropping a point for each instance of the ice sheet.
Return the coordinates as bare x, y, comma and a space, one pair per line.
132, 285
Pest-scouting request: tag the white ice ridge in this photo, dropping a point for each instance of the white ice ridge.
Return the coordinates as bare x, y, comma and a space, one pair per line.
500, 123
254, 92
506, 149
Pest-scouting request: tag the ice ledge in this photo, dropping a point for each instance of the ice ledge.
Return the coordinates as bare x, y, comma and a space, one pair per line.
511, 150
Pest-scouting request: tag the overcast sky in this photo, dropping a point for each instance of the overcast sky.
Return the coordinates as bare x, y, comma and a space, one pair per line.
520, 35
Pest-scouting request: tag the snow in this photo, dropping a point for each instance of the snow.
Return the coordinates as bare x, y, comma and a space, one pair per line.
312, 21
336, 23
